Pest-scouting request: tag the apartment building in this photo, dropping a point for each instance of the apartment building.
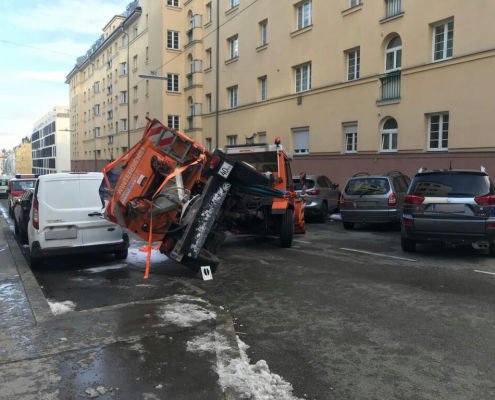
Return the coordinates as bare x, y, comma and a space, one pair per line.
50, 142
23, 157
109, 101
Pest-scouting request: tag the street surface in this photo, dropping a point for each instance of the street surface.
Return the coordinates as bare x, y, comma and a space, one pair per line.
340, 315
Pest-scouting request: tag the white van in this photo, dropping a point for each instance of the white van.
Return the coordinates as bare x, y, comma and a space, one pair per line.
4, 185
65, 218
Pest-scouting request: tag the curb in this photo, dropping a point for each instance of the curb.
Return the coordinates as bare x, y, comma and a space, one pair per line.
37, 301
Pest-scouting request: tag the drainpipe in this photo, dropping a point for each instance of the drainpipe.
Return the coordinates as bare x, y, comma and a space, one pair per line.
217, 116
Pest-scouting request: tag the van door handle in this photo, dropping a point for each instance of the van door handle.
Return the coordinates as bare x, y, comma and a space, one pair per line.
94, 214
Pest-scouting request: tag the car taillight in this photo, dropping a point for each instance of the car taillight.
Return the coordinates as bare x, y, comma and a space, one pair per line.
490, 225
392, 200
313, 192
214, 162
342, 202
485, 200
36, 216
411, 199
407, 222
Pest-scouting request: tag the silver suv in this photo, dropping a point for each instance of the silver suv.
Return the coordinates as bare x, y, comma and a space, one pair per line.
451, 206
373, 198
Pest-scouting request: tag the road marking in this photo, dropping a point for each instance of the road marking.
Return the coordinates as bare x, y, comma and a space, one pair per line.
378, 254
484, 272
263, 262
301, 241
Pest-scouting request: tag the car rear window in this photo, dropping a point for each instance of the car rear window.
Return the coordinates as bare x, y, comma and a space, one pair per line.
310, 184
451, 185
371, 186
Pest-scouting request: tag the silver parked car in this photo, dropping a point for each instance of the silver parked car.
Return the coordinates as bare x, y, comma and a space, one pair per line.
321, 194
450, 206
371, 199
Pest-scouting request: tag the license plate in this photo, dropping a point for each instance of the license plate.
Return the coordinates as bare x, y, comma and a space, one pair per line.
448, 208
225, 170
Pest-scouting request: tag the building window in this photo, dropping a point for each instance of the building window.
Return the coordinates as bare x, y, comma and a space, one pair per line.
439, 132
147, 87
123, 125
135, 62
353, 64
264, 33
97, 132
97, 87
174, 122
209, 13
443, 41
123, 68
136, 122
394, 7
173, 83
232, 140
301, 141
354, 3
97, 109
304, 15
389, 135
234, 47
147, 57
173, 40
208, 144
110, 139
263, 89
123, 97
234, 3
303, 78
208, 103
209, 60
233, 97
135, 29
393, 54
135, 92
262, 137
173, 3
351, 138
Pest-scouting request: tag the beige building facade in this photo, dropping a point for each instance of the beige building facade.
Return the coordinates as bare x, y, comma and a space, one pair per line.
349, 85
23, 158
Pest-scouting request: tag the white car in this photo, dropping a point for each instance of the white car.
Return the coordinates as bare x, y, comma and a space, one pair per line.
65, 218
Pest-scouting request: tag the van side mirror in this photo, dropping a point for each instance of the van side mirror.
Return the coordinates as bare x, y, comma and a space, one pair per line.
336, 185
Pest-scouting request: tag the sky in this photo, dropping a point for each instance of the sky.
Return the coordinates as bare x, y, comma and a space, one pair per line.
32, 80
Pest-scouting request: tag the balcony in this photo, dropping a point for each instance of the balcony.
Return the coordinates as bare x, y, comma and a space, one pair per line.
110, 114
110, 90
391, 83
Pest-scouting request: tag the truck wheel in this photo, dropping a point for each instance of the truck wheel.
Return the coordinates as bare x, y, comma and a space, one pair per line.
205, 259
121, 254
348, 226
323, 213
246, 175
408, 245
35, 263
287, 229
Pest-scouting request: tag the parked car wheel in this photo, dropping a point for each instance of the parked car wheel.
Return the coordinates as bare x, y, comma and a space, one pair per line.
336, 210
323, 213
205, 259
348, 226
408, 245
35, 263
121, 254
491, 250
287, 229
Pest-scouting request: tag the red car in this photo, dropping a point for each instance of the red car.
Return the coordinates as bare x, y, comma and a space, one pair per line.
17, 187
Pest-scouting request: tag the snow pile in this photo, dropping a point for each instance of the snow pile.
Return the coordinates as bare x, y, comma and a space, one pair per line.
207, 344
62, 307
185, 315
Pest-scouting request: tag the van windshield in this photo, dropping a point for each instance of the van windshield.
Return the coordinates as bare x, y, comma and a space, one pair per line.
4, 182
371, 186
22, 185
452, 185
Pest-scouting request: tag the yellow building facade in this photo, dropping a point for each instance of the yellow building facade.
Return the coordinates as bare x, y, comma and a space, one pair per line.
23, 159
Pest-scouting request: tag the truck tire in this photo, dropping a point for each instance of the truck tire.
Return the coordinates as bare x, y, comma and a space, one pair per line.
287, 229
246, 175
205, 259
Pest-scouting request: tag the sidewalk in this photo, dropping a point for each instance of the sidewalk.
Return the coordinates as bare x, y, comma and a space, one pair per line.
157, 349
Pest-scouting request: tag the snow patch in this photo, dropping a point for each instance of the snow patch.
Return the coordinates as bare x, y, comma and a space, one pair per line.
207, 344
62, 307
335, 217
26, 246
185, 315
102, 269
146, 285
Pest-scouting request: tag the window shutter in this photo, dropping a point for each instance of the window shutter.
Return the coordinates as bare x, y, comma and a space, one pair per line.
350, 129
301, 139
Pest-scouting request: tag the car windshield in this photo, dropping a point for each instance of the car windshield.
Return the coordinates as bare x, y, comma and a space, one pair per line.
22, 185
371, 186
262, 162
451, 185
4, 182
310, 184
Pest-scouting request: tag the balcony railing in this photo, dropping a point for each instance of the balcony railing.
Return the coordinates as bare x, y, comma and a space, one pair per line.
394, 7
391, 85
190, 119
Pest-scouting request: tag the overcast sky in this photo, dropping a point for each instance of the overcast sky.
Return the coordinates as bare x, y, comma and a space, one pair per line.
32, 81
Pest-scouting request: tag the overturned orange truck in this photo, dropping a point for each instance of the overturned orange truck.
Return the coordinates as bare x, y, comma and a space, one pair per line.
169, 189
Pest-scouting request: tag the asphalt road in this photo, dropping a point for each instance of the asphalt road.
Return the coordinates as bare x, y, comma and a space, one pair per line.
341, 315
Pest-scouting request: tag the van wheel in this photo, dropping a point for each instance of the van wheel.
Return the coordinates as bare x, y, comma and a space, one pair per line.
205, 259
491, 250
121, 254
287, 229
408, 245
323, 213
349, 226
35, 262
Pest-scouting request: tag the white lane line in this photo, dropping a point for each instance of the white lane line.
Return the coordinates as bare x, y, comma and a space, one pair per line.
301, 241
378, 254
484, 272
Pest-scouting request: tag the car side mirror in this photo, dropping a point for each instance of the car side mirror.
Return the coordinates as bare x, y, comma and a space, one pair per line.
336, 185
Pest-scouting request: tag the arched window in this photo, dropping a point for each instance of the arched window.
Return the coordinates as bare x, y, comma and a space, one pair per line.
393, 54
389, 135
